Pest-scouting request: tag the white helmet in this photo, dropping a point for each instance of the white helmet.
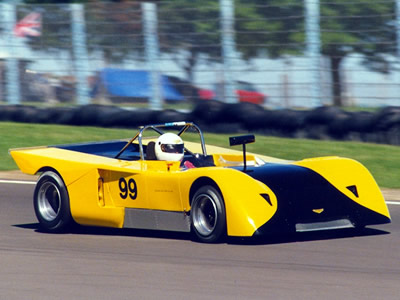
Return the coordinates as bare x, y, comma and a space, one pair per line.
169, 146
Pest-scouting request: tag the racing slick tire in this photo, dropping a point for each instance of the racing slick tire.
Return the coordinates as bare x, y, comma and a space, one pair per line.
51, 203
208, 218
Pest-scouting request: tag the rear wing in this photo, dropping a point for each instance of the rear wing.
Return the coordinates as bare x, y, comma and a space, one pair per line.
242, 140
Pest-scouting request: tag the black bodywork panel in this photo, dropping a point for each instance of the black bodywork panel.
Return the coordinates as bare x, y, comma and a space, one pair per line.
300, 191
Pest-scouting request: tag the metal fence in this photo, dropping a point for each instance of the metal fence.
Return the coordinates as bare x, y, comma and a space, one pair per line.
286, 53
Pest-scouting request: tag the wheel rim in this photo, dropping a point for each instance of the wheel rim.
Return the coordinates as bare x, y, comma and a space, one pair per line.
205, 214
49, 201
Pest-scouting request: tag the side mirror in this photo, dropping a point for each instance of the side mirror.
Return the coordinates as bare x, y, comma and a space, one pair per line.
242, 140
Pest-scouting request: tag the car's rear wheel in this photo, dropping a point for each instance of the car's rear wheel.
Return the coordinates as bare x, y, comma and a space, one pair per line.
208, 218
51, 203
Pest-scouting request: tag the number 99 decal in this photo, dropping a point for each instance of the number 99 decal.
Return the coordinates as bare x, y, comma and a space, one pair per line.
128, 188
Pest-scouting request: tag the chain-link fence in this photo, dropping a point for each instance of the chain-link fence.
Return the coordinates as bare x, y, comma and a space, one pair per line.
284, 53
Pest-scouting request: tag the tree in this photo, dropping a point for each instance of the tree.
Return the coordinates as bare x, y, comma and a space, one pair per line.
115, 29
347, 27
112, 28
193, 27
274, 27
188, 29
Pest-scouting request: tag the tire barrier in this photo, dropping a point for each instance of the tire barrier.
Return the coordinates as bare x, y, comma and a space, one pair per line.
382, 126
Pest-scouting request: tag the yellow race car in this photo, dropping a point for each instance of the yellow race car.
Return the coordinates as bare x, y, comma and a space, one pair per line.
163, 183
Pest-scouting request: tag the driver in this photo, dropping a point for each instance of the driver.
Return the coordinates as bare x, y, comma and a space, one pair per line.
170, 147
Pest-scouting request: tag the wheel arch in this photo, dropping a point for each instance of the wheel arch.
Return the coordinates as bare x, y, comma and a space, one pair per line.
202, 181
42, 170
48, 169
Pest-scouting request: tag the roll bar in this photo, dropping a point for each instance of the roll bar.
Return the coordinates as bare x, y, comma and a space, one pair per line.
157, 128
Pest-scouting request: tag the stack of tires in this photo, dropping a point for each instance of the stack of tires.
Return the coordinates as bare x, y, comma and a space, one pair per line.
327, 122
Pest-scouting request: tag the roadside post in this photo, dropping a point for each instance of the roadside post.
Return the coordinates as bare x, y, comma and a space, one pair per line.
228, 49
313, 51
12, 74
81, 61
152, 53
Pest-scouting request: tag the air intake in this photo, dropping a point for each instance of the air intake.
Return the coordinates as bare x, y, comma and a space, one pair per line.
267, 198
353, 189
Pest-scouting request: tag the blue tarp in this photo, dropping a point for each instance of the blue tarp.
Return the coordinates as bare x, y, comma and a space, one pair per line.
133, 83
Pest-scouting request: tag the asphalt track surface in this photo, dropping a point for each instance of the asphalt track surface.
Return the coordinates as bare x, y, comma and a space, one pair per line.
94, 263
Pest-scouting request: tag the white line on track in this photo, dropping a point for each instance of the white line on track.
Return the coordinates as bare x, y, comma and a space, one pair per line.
393, 202
17, 181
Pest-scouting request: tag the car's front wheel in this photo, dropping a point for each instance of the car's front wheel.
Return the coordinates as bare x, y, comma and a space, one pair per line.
208, 218
51, 203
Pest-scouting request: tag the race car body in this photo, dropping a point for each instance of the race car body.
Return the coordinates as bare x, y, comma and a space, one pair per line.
223, 192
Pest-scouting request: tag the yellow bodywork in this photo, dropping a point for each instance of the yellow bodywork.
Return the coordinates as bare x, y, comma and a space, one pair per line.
101, 188
344, 172
94, 192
